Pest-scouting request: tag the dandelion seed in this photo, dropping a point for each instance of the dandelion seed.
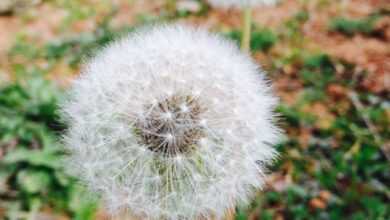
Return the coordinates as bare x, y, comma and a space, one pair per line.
189, 145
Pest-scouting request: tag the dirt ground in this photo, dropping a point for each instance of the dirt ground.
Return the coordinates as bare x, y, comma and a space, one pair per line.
372, 54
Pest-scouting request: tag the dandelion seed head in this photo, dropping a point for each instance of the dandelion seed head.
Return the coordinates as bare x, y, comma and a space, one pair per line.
171, 123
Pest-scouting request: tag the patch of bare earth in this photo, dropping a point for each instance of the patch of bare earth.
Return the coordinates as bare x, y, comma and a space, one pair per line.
367, 52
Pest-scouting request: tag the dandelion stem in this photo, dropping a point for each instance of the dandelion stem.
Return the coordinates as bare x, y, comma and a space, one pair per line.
171, 7
246, 29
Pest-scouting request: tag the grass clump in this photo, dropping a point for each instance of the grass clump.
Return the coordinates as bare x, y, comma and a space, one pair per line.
351, 27
31, 174
261, 39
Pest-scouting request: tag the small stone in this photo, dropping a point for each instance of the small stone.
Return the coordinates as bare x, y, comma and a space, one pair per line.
325, 195
317, 203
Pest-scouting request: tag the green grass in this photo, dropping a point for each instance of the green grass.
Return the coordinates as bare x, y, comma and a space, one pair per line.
32, 175
261, 39
351, 27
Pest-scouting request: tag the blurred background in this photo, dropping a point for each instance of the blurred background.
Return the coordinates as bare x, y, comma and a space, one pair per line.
329, 61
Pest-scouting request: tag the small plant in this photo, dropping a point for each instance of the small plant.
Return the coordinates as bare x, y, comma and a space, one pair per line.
31, 174
318, 71
350, 27
261, 39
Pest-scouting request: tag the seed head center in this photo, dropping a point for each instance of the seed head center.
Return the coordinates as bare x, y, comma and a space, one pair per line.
172, 126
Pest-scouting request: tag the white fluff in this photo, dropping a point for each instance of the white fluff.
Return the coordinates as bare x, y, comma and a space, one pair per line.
119, 101
240, 3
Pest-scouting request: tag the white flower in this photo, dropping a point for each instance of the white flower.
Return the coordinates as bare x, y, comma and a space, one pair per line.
171, 123
240, 3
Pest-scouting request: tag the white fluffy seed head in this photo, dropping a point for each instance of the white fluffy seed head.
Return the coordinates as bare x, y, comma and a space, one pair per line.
171, 123
240, 3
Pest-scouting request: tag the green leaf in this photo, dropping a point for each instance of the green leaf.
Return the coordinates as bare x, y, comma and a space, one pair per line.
262, 39
33, 157
350, 26
33, 181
